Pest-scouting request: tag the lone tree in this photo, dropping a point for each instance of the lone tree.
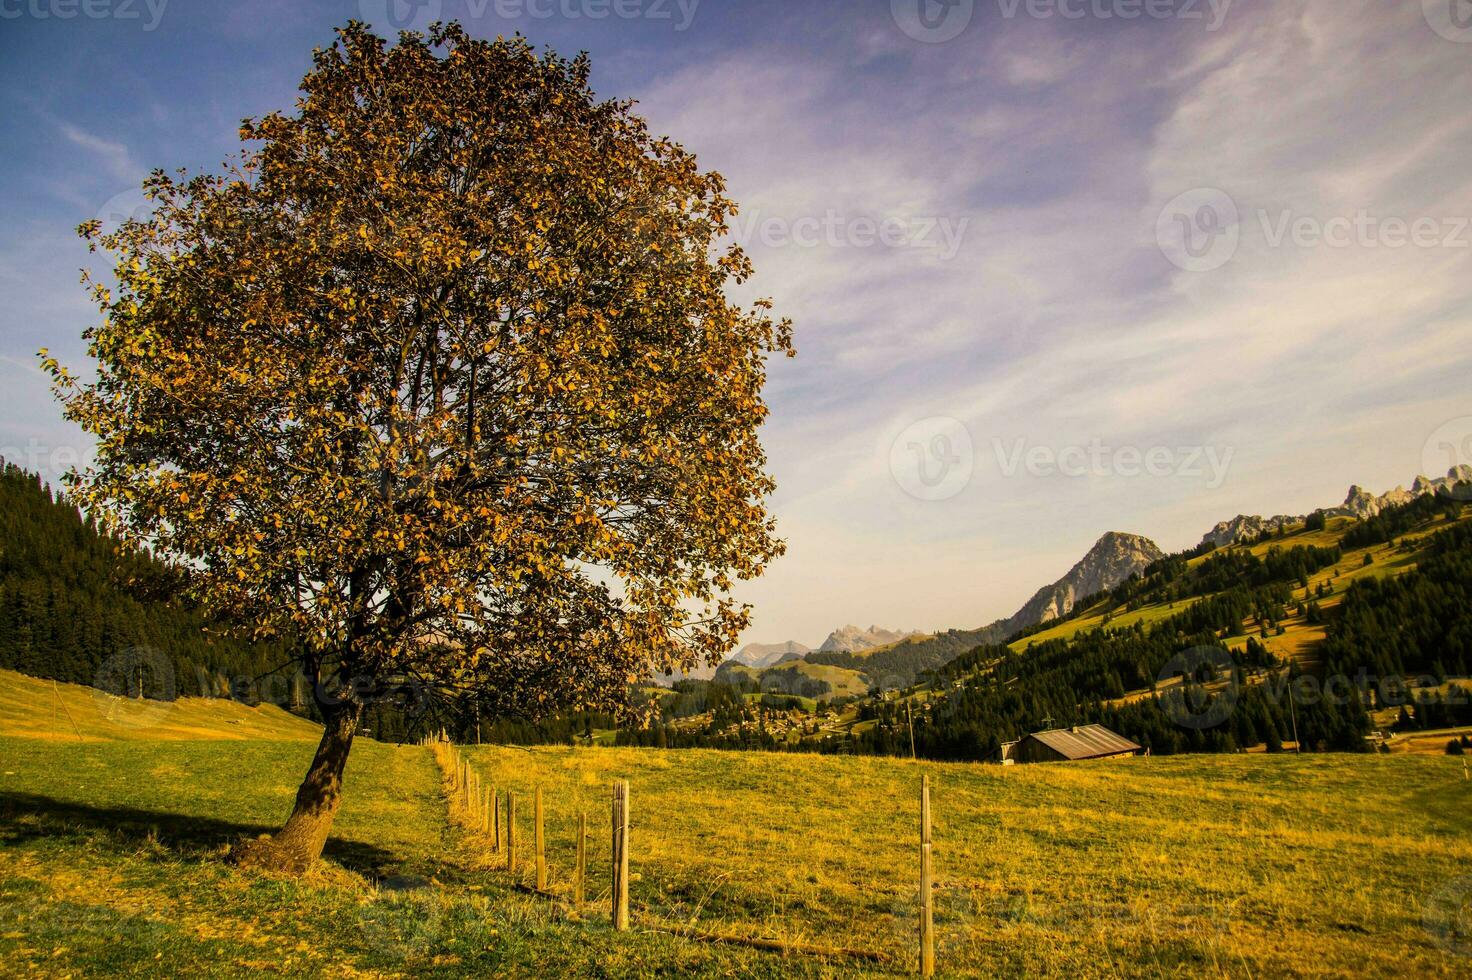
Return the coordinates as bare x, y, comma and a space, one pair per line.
439, 382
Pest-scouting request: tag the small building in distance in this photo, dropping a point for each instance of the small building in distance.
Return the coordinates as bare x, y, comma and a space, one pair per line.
1069, 745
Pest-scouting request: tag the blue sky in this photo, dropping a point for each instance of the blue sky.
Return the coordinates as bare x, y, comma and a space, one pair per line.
1055, 269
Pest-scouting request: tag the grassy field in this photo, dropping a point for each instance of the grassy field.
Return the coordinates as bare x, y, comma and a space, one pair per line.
69, 712
841, 681
111, 862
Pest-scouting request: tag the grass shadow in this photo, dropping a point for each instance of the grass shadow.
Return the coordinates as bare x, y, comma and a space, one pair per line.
29, 816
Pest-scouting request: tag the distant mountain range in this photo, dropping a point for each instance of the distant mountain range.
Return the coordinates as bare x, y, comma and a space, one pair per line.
851, 639
845, 639
900, 656
894, 659
767, 654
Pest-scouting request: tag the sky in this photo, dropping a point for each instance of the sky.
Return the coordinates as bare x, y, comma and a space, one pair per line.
1056, 267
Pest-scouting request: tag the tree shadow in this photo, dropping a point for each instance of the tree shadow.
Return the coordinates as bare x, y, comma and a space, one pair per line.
29, 816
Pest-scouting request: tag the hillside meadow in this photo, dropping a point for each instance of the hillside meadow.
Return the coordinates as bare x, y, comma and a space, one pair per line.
111, 861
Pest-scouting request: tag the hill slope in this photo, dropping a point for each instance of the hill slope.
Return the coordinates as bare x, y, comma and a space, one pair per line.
39, 708
1340, 602
1235, 865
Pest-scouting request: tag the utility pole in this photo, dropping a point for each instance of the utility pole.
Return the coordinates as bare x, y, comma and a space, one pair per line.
1293, 713
911, 718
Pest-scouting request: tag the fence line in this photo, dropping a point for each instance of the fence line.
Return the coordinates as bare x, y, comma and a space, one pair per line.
927, 919
476, 808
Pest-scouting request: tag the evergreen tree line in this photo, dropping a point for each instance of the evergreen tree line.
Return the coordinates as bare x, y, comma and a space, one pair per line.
1413, 625
77, 606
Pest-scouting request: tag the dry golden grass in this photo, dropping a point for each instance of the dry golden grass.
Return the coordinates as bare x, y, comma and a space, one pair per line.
1215, 865
36, 708
1238, 865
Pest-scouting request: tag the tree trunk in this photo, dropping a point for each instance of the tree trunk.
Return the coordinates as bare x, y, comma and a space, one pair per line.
297, 845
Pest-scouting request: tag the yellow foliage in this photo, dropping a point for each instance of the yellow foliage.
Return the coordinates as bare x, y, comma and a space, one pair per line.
427, 399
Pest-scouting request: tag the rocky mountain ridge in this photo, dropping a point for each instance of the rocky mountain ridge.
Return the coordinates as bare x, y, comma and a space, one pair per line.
852, 639
1359, 503
1113, 559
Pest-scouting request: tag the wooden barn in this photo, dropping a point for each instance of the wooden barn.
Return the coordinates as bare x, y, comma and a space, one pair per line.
1069, 744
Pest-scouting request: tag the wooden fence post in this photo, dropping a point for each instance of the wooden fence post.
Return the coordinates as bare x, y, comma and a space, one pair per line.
511, 832
621, 855
495, 820
927, 919
538, 842
582, 866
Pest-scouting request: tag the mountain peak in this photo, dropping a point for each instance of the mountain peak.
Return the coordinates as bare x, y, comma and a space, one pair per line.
1117, 539
850, 639
1114, 557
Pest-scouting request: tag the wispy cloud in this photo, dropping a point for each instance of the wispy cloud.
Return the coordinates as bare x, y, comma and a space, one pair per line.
113, 155
1060, 321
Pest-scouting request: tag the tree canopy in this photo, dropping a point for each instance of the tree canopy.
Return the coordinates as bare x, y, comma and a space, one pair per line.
440, 380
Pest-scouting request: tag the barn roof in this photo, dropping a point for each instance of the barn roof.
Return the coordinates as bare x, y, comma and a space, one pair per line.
1085, 742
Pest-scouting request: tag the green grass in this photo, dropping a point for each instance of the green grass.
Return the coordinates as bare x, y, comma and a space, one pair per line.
111, 863
841, 681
